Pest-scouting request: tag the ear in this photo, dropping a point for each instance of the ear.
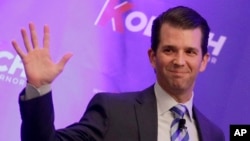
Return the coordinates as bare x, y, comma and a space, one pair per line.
151, 56
204, 62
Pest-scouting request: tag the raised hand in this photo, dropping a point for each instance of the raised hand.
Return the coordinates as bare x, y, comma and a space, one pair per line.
39, 67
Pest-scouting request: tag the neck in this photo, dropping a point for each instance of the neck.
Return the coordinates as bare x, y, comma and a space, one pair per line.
179, 95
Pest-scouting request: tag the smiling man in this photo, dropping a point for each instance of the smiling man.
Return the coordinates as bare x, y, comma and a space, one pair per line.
178, 59
161, 112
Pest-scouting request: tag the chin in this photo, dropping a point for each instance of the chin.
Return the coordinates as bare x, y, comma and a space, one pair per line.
178, 87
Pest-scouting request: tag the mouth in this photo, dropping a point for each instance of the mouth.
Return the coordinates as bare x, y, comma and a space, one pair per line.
178, 73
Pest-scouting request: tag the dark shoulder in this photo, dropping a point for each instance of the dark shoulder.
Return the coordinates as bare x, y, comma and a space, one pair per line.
117, 97
206, 126
142, 95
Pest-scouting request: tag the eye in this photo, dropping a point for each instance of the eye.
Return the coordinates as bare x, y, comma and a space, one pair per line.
168, 50
191, 52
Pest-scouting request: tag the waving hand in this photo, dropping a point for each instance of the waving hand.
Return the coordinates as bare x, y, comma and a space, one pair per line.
38, 65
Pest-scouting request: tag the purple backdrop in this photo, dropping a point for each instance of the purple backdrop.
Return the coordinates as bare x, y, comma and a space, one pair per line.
109, 40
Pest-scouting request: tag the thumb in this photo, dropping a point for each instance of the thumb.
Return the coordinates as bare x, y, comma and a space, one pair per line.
64, 60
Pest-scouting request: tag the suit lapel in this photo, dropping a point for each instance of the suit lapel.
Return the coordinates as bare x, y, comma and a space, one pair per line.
146, 113
201, 121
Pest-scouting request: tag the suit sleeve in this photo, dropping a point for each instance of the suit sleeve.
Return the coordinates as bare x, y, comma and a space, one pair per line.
38, 121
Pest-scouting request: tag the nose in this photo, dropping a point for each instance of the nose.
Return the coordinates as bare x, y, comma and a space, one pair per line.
179, 59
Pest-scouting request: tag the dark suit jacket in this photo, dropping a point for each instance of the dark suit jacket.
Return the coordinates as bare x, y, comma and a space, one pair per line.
108, 117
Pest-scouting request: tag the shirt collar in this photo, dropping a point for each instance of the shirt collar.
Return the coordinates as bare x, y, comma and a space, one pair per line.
165, 102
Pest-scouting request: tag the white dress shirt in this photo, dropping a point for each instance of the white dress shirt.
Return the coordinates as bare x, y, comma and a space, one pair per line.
164, 103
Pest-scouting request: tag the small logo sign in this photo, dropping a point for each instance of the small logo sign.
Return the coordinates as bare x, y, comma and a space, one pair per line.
240, 132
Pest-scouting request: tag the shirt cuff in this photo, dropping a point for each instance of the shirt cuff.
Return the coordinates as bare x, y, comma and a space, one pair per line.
32, 92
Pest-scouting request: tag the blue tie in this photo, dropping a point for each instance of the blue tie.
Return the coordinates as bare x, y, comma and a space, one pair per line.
178, 134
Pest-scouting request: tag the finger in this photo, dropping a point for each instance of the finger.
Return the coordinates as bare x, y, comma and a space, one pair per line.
46, 36
18, 49
64, 60
33, 34
26, 40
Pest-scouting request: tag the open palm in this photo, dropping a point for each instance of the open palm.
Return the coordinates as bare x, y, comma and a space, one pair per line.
38, 65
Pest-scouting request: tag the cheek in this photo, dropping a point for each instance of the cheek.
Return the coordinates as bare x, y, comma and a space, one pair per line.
162, 67
160, 63
163, 59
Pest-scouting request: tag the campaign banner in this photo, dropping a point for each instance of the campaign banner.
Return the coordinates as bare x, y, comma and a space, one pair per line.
109, 40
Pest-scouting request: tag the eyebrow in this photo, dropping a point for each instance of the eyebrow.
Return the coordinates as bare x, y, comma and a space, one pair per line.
169, 46
172, 47
193, 49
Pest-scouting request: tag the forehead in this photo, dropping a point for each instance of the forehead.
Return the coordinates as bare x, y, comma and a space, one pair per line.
175, 36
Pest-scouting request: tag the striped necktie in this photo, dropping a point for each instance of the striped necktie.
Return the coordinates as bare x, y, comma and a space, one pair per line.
178, 134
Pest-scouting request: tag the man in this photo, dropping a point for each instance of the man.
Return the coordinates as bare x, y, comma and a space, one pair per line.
161, 112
